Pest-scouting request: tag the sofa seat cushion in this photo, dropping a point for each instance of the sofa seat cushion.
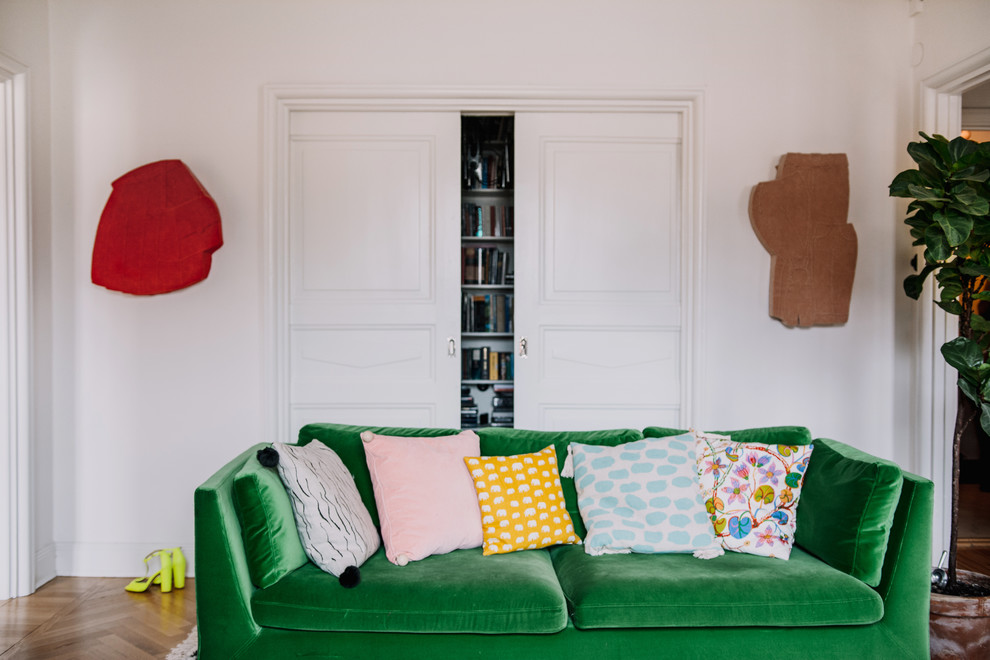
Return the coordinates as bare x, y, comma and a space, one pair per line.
459, 592
675, 590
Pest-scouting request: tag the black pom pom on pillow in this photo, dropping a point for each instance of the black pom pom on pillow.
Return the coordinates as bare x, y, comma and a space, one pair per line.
268, 457
351, 577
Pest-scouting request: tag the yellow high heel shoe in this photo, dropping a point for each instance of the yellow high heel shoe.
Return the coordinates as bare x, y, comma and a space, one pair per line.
162, 576
178, 568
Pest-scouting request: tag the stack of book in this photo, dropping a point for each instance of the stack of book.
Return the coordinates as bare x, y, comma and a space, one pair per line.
469, 409
502, 406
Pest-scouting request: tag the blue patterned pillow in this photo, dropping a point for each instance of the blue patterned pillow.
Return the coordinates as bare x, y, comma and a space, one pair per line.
642, 496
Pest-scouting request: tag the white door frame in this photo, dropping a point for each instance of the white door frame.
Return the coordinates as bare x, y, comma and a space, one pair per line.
280, 101
940, 112
16, 552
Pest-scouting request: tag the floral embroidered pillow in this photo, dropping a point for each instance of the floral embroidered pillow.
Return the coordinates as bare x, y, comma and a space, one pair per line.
751, 492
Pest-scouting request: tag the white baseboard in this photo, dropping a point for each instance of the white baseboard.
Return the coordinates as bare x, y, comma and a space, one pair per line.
110, 559
44, 565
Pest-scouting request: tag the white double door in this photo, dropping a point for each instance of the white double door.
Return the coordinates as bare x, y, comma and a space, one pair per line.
373, 269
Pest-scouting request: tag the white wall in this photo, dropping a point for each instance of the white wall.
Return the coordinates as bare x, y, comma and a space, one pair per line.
151, 395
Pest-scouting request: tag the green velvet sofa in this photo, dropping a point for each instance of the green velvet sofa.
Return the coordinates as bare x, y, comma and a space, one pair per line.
856, 584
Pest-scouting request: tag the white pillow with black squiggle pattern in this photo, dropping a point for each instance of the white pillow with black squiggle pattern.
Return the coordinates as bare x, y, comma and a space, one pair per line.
334, 526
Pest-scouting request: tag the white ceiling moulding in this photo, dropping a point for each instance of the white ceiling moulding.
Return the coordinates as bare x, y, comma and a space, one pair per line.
280, 102
16, 551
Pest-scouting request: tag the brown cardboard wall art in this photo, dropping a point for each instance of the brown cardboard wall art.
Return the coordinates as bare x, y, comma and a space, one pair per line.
800, 218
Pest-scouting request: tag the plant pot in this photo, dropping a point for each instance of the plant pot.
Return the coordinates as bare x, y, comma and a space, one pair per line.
959, 626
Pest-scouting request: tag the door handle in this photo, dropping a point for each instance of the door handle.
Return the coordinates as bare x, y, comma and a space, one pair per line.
523, 348
451, 347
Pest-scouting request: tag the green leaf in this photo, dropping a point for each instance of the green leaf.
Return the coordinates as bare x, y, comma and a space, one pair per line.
972, 173
923, 152
975, 269
932, 170
971, 205
957, 227
949, 275
969, 390
926, 194
960, 147
962, 354
918, 220
978, 323
950, 292
938, 245
793, 479
915, 284
941, 147
985, 416
951, 306
899, 186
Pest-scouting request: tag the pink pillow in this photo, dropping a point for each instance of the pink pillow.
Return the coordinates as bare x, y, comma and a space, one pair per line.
426, 499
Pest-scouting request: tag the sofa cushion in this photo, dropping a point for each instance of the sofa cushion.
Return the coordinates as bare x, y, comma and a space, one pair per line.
459, 592
334, 526
642, 496
271, 540
521, 503
503, 442
676, 590
847, 509
752, 491
425, 495
346, 442
768, 435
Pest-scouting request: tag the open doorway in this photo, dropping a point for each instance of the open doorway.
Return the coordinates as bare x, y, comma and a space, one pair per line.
974, 490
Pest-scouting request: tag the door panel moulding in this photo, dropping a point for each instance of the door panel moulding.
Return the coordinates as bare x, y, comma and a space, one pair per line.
281, 102
17, 561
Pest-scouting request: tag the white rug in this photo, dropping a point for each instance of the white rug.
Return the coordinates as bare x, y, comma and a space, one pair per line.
187, 649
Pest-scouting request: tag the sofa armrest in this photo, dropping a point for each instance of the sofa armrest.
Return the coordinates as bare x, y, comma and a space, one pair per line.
905, 585
847, 508
223, 583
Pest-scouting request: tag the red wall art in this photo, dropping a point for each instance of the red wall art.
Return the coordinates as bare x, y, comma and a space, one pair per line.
157, 232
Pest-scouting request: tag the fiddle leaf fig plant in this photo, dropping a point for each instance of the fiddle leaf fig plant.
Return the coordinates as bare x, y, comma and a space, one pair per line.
949, 216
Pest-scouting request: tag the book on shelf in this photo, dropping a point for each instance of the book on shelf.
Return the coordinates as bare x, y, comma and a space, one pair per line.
486, 220
486, 312
484, 265
502, 417
482, 363
486, 152
501, 402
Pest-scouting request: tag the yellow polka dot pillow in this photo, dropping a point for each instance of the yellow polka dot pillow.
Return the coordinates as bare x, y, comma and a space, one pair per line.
522, 505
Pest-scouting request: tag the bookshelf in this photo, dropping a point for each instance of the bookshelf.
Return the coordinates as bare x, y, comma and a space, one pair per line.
487, 271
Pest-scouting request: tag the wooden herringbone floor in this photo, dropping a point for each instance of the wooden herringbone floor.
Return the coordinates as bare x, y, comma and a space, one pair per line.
95, 619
